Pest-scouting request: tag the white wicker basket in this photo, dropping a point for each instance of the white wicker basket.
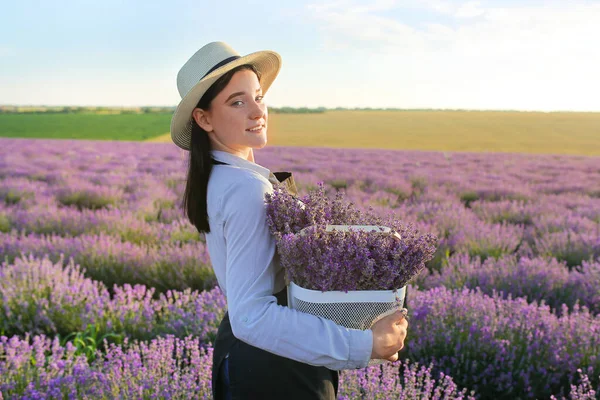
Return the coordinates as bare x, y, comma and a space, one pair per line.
353, 309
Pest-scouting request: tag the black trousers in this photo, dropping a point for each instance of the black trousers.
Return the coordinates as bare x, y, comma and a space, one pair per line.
258, 374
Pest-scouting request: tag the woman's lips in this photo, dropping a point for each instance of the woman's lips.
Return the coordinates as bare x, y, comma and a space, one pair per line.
256, 130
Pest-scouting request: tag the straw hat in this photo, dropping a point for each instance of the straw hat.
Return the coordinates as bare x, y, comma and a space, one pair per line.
206, 66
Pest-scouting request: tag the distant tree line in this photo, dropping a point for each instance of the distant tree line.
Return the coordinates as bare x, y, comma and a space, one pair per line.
82, 110
11, 109
293, 110
131, 110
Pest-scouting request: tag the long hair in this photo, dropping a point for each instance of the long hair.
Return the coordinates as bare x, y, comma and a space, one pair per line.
194, 202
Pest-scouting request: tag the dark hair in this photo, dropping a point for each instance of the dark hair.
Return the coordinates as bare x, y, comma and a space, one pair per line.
200, 165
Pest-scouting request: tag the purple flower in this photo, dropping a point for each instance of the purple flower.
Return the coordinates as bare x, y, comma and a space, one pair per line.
353, 260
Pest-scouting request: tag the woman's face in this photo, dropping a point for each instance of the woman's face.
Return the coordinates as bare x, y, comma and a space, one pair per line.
233, 112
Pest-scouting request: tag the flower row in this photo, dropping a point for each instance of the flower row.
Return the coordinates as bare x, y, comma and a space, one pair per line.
486, 176
108, 259
500, 347
69, 221
503, 348
41, 297
537, 279
173, 368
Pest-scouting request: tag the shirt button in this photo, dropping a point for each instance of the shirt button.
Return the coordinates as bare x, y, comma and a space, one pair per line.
245, 319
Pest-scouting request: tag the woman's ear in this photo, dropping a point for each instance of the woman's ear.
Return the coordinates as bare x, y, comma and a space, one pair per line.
202, 118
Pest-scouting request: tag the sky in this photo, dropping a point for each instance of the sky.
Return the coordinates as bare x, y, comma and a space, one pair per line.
530, 55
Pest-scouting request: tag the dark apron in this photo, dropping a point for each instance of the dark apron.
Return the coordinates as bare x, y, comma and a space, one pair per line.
258, 374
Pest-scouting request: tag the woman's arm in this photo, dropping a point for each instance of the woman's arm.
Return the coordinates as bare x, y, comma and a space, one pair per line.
255, 316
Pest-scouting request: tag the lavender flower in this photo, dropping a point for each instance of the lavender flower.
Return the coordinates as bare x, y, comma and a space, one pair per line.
582, 391
398, 380
353, 260
169, 367
507, 223
537, 279
37, 296
108, 259
38, 367
503, 348
569, 246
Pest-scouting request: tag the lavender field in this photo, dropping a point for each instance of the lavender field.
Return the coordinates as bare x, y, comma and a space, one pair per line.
106, 291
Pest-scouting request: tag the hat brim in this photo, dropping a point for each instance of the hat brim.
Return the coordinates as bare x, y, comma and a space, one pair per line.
267, 62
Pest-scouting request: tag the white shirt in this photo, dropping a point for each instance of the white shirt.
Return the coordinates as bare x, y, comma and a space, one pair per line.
242, 253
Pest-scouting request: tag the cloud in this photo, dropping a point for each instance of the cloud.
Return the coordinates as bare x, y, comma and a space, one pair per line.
536, 57
6, 51
470, 9
552, 25
441, 6
352, 7
345, 25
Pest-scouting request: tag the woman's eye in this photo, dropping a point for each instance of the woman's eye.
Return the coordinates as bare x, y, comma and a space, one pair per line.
258, 98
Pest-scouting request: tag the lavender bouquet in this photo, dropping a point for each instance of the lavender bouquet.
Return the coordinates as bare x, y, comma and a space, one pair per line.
353, 260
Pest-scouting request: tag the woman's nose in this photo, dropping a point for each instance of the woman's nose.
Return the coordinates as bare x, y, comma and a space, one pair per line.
258, 111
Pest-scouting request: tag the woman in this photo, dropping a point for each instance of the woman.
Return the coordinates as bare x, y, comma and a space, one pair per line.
263, 349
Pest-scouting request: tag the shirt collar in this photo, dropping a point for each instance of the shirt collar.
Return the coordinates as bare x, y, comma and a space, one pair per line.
232, 159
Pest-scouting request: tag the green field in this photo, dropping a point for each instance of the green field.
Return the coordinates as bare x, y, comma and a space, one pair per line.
487, 131
84, 126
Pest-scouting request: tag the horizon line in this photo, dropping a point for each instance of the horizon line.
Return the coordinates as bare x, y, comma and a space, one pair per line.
113, 107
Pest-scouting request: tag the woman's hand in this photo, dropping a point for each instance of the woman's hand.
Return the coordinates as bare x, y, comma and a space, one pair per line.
388, 336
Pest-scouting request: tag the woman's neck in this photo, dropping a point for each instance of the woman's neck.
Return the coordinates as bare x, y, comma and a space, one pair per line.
247, 155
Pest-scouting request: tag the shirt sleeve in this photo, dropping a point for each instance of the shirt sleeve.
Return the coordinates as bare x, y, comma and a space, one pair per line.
255, 316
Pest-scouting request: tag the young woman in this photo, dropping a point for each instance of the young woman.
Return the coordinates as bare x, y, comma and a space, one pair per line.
263, 349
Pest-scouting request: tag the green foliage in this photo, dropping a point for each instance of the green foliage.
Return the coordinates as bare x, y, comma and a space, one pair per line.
133, 235
82, 110
293, 110
164, 203
485, 252
91, 341
173, 183
439, 260
186, 236
12, 197
418, 185
402, 194
338, 184
4, 223
513, 218
85, 200
469, 197
85, 126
